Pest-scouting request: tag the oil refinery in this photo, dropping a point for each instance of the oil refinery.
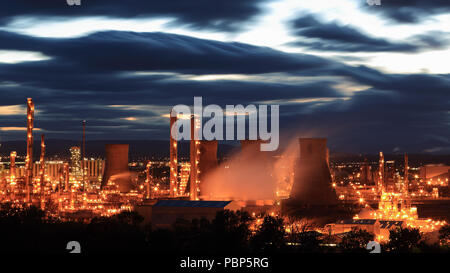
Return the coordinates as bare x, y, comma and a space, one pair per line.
303, 181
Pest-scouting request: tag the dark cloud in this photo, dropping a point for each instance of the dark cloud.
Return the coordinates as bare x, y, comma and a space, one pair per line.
107, 62
317, 35
409, 11
376, 120
122, 51
224, 15
85, 75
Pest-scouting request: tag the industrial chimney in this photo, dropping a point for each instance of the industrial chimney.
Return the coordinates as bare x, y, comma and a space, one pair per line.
194, 159
42, 169
29, 158
116, 166
312, 178
12, 167
173, 158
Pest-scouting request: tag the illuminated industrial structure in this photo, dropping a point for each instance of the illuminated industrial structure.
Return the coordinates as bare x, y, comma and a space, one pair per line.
66, 177
12, 168
194, 155
185, 170
366, 173
405, 177
434, 172
381, 174
42, 171
76, 188
75, 163
173, 163
83, 155
29, 158
203, 159
62, 183
93, 170
147, 180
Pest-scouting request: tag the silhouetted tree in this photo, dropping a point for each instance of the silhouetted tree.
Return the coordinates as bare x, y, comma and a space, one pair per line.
307, 241
130, 217
163, 240
356, 240
270, 236
444, 235
404, 239
231, 230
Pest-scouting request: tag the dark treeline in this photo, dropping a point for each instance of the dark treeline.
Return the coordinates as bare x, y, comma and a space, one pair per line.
30, 230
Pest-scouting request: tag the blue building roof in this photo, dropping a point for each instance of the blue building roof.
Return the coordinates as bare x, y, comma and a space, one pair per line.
389, 224
192, 204
358, 221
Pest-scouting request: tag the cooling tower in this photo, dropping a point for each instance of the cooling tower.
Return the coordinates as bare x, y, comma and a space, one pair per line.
258, 166
312, 178
116, 166
252, 148
207, 160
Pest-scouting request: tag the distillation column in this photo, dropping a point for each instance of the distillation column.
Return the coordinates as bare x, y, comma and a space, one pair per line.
405, 179
83, 156
194, 153
381, 181
12, 174
66, 177
12, 168
173, 157
29, 158
42, 169
147, 180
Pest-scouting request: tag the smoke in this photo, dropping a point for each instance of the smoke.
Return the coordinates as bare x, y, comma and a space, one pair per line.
284, 168
122, 175
252, 175
125, 181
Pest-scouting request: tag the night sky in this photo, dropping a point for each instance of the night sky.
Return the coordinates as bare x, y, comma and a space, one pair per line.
369, 78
